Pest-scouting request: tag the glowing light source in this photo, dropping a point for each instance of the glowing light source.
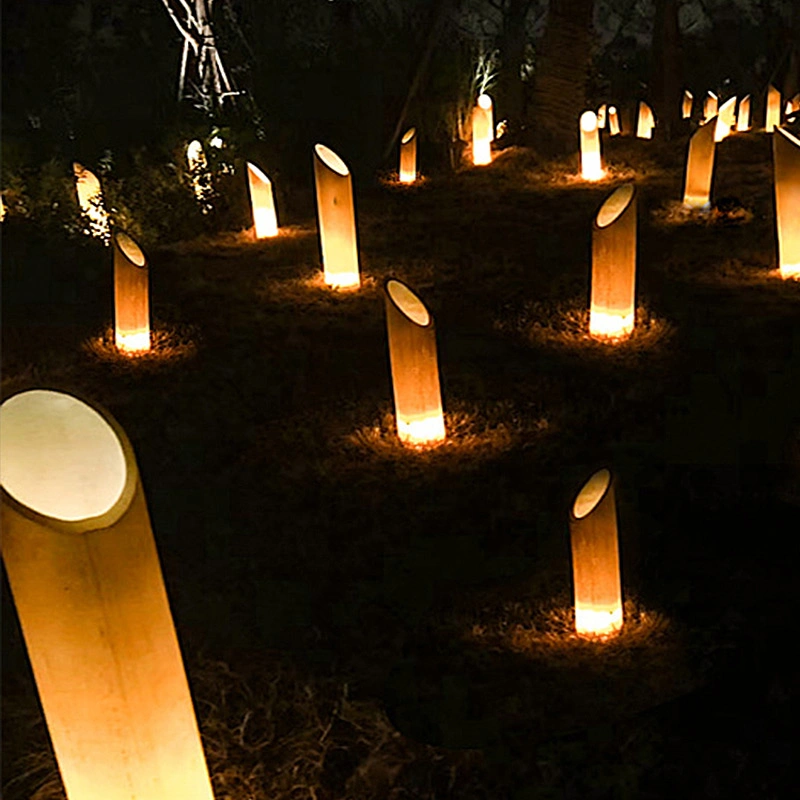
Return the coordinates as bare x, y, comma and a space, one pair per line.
725, 119
700, 167
131, 295
602, 113
482, 131
743, 118
337, 219
688, 100
613, 121
710, 106
90, 201
415, 366
793, 105
262, 201
645, 122
595, 557
408, 156
612, 307
591, 162
199, 175
773, 118
786, 159
85, 577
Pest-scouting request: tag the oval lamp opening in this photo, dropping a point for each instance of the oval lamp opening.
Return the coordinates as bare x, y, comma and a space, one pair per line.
588, 121
614, 206
408, 135
408, 303
591, 494
59, 457
485, 102
258, 173
131, 250
331, 160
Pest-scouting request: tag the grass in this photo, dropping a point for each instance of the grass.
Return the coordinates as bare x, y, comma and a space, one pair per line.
364, 620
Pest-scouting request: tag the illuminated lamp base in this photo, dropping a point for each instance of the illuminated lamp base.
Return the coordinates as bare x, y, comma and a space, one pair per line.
790, 271
421, 432
592, 169
700, 203
266, 224
595, 622
133, 342
342, 280
610, 326
407, 177
481, 152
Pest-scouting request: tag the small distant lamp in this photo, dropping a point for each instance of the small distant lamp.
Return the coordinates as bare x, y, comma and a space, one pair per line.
773, 118
482, 131
408, 156
613, 296
793, 105
337, 220
262, 201
725, 119
613, 121
645, 122
786, 158
591, 162
602, 113
90, 200
710, 106
131, 295
595, 557
688, 100
415, 367
743, 118
700, 166
84, 573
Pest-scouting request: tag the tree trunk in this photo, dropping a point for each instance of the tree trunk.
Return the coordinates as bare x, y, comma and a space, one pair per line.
666, 83
512, 52
559, 92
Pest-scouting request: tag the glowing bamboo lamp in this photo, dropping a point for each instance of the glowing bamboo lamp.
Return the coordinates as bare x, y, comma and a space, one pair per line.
262, 201
131, 295
90, 198
415, 367
700, 167
591, 162
408, 156
725, 119
710, 106
645, 122
84, 573
613, 299
482, 131
688, 100
613, 121
743, 118
786, 158
595, 557
337, 219
773, 118
602, 114
793, 105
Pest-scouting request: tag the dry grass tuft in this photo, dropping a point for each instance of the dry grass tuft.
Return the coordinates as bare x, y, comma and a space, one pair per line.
242, 242
676, 213
391, 181
312, 290
169, 343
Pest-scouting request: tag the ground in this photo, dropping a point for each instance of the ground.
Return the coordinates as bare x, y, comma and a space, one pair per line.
362, 620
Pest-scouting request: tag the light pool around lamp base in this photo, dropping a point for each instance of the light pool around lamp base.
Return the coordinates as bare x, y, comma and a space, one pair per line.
597, 622
423, 432
611, 327
132, 342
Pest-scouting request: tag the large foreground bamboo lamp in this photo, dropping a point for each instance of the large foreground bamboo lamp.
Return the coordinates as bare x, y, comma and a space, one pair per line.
131, 295
786, 158
262, 201
612, 307
773, 117
591, 161
337, 219
415, 367
743, 118
686, 106
87, 585
482, 131
90, 199
408, 156
725, 119
595, 557
645, 122
710, 106
613, 121
700, 167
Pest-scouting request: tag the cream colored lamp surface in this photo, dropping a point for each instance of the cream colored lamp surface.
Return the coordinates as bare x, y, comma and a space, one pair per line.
613, 121
710, 106
686, 106
84, 573
786, 160
602, 116
408, 156
700, 166
262, 202
645, 122
773, 116
131, 295
591, 161
482, 131
90, 200
725, 119
743, 117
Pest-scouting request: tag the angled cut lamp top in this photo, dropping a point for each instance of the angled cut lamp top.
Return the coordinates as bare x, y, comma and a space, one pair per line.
331, 160
615, 205
408, 135
591, 494
408, 303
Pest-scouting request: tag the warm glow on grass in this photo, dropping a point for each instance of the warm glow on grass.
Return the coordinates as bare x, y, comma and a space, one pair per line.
133, 342
610, 326
597, 622
423, 432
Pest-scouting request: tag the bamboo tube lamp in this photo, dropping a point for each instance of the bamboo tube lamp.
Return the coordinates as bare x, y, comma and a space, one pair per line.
786, 158
725, 119
262, 201
773, 118
613, 121
408, 156
90, 199
602, 114
482, 131
686, 107
700, 167
87, 585
415, 368
793, 105
710, 106
131, 295
337, 219
595, 557
743, 118
591, 162
612, 307
645, 122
